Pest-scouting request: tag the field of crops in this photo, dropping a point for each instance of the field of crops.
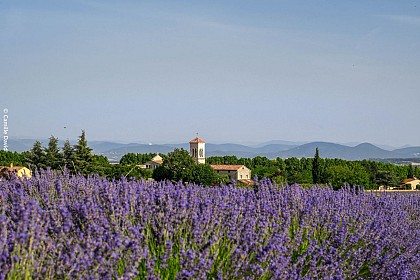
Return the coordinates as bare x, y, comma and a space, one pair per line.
57, 226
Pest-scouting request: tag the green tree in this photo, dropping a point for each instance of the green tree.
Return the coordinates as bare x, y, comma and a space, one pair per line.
52, 153
180, 163
162, 173
67, 159
130, 158
386, 178
83, 155
203, 174
316, 168
8, 157
100, 165
410, 171
37, 156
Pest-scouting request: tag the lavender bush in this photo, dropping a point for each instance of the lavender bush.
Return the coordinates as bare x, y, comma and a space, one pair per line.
57, 226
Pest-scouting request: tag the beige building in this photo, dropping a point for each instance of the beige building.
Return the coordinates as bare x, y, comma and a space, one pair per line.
198, 150
152, 164
20, 171
236, 172
413, 183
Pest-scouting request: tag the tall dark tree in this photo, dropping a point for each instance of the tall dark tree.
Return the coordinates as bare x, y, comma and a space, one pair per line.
83, 155
162, 173
67, 156
52, 153
316, 168
410, 171
37, 156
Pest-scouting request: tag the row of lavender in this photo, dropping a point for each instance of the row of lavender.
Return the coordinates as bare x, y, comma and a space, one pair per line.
56, 226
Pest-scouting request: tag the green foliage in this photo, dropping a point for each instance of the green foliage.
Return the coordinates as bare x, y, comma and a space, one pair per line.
203, 174
162, 173
132, 158
410, 171
82, 154
52, 153
180, 163
37, 157
67, 159
17, 159
316, 168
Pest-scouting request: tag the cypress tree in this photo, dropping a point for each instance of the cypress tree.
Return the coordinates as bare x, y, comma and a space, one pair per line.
316, 168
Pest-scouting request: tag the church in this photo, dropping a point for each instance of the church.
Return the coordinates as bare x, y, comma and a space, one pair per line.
239, 173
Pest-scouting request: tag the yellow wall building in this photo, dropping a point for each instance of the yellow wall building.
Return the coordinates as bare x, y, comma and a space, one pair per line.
20, 171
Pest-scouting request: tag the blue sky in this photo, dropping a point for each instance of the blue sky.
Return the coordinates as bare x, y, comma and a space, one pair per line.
235, 71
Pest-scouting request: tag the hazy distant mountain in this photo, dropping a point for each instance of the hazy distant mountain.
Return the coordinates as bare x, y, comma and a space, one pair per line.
410, 152
20, 145
114, 151
281, 142
326, 150
331, 150
140, 148
103, 146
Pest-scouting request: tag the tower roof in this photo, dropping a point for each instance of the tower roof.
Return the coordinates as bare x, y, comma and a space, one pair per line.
197, 140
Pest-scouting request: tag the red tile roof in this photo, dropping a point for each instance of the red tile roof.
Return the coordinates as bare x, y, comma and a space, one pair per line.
246, 182
8, 168
226, 167
408, 180
197, 140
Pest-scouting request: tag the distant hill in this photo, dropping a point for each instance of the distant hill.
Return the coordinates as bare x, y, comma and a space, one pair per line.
284, 149
409, 152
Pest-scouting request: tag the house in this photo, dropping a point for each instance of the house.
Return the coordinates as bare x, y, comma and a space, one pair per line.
20, 171
235, 172
411, 183
153, 163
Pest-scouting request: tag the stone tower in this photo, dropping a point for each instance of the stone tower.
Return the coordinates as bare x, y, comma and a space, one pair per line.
198, 150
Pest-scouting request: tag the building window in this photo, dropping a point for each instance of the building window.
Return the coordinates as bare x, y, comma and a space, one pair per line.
241, 176
201, 152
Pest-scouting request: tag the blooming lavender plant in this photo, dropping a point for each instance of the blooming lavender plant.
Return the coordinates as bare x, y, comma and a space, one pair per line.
57, 226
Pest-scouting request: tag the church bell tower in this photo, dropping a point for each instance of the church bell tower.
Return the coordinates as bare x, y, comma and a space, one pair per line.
198, 150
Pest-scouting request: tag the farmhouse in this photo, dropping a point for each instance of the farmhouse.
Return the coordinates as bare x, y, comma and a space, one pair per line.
412, 183
20, 171
236, 172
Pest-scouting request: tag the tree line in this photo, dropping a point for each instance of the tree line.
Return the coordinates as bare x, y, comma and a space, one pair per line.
179, 166
77, 158
317, 170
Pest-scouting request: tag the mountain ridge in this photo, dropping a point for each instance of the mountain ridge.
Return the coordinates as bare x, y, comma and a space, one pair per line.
272, 149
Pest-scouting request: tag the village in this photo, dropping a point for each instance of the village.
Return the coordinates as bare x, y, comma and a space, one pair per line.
240, 173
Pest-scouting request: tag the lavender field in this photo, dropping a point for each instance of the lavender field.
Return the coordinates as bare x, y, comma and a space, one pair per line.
57, 226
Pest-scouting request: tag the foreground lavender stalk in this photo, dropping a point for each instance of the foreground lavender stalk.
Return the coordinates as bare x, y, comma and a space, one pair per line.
57, 226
